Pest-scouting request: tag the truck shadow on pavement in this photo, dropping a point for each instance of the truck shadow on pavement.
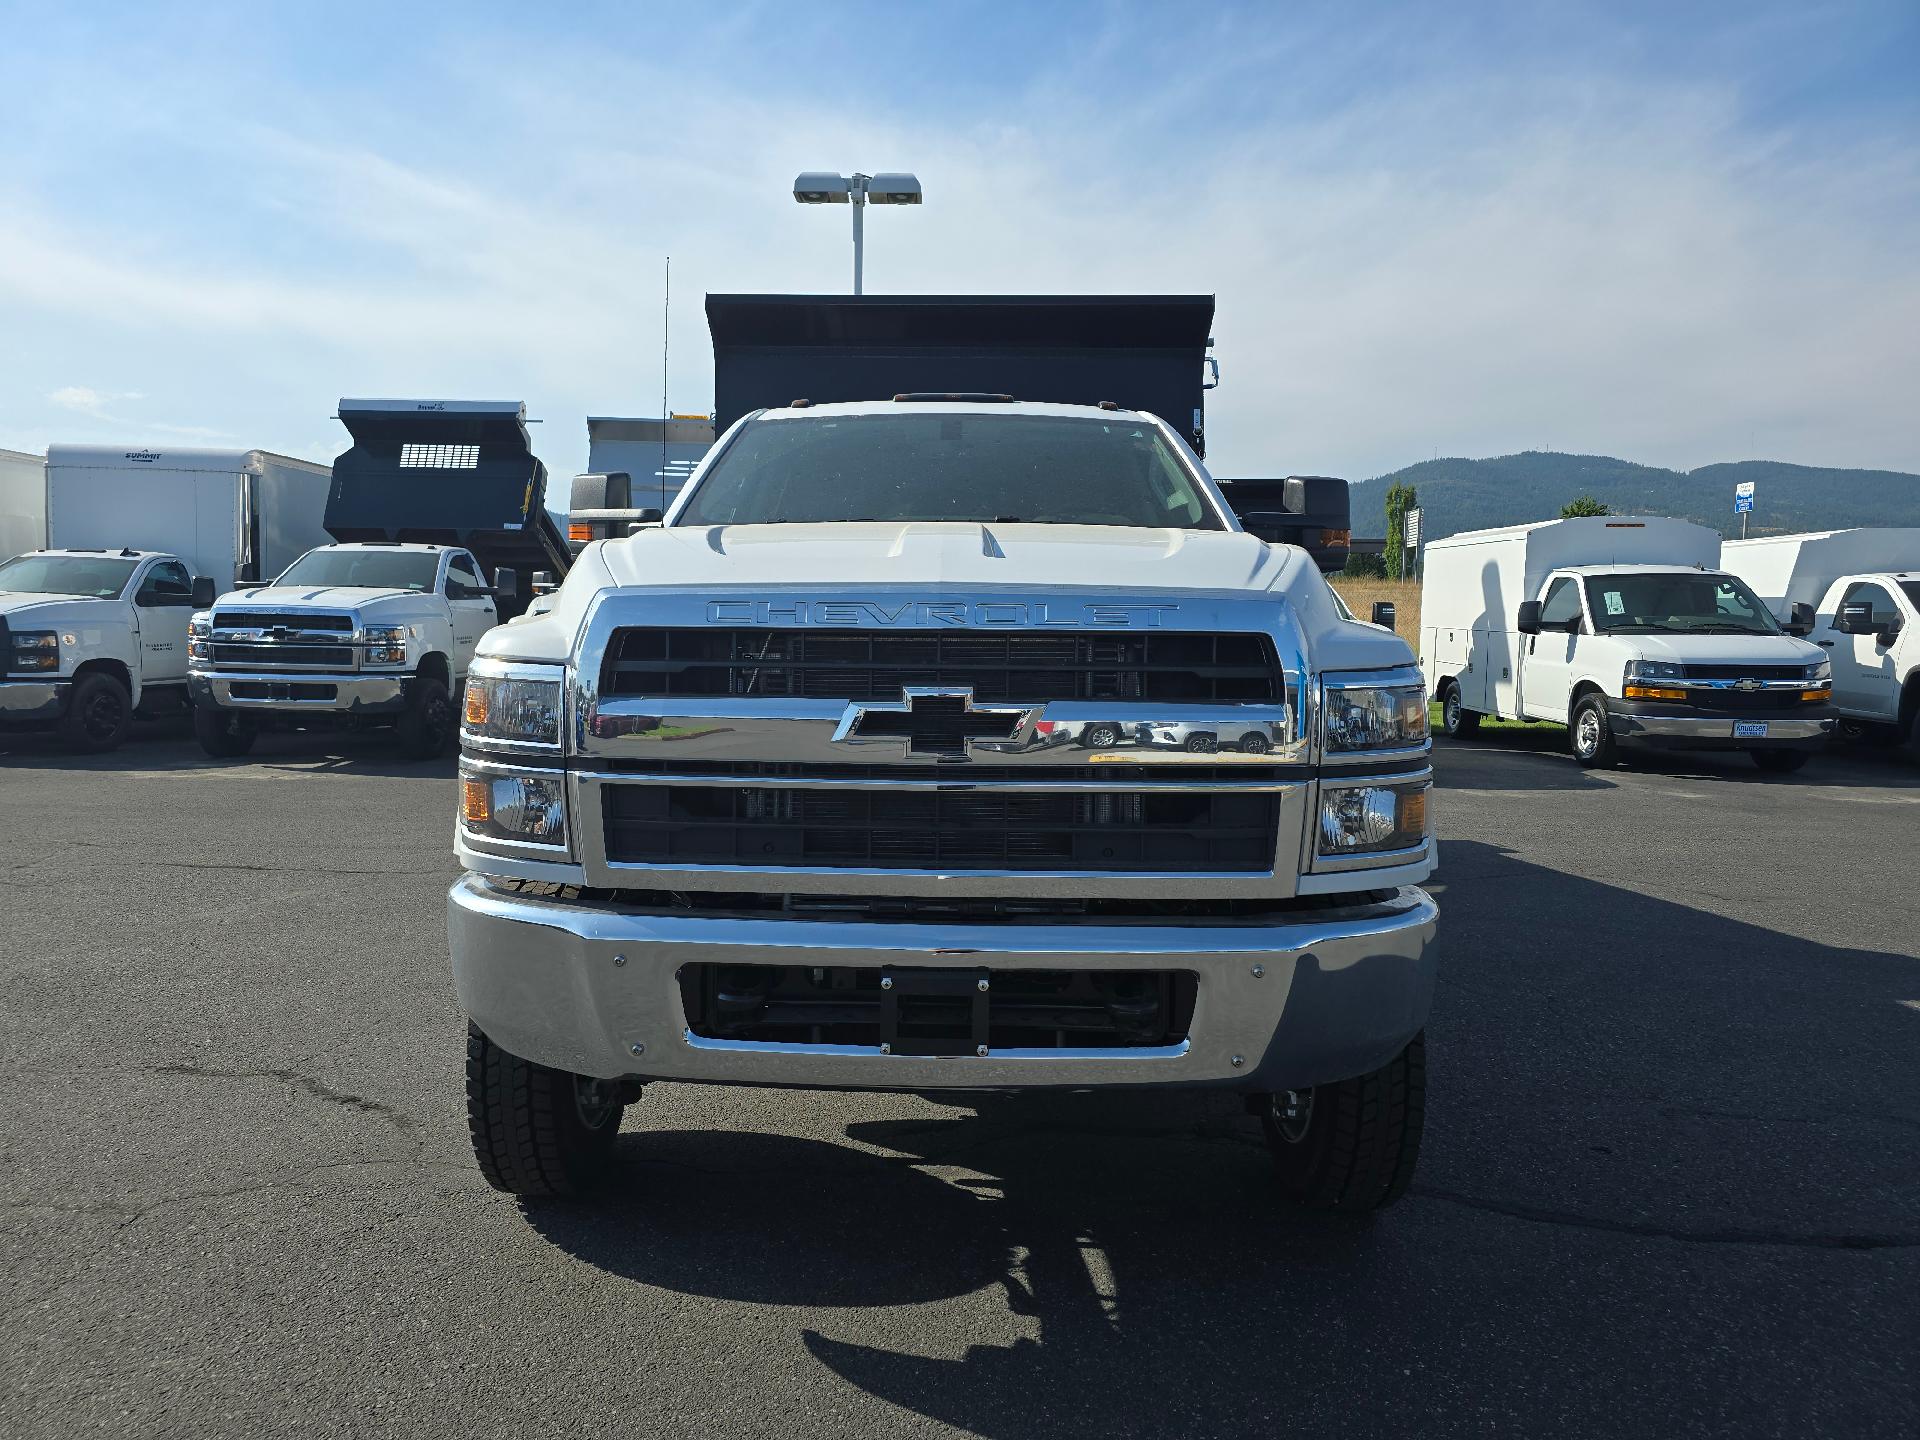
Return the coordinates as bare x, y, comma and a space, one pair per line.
1643, 1115
169, 745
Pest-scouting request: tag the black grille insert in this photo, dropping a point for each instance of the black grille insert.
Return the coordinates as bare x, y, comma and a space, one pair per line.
270, 619
938, 1012
826, 664
269, 657
766, 827
1744, 672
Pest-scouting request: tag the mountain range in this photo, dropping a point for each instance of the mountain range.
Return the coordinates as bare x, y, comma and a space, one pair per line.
1456, 495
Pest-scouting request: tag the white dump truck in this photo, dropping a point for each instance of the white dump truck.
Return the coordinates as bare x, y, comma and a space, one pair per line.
94, 631
1624, 630
433, 509
850, 776
1856, 595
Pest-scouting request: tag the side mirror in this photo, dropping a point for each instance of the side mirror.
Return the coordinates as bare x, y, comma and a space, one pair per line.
1799, 619
1529, 621
203, 596
1856, 618
542, 582
1383, 613
506, 582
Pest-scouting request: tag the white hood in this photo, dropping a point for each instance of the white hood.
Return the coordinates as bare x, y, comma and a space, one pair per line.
22, 608
321, 597
949, 553
1725, 649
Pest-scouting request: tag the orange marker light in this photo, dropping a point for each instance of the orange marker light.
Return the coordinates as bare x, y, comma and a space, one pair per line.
476, 705
476, 801
1413, 812
1825, 692
578, 531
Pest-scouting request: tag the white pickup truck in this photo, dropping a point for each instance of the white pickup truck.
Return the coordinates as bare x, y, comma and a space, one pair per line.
90, 637
1856, 595
834, 780
351, 636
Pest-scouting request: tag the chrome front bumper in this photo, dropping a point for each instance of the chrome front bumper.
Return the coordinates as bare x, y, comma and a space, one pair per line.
353, 693
24, 700
1707, 730
593, 990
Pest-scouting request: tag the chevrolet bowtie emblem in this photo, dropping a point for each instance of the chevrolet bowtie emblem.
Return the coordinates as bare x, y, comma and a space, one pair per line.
941, 724
1746, 682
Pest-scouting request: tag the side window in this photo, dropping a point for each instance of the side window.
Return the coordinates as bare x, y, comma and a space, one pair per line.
1885, 612
463, 581
1562, 605
166, 584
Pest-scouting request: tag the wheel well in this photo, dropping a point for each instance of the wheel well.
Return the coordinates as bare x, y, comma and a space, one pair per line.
105, 667
1909, 699
435, 666
1440, 687
1581, 691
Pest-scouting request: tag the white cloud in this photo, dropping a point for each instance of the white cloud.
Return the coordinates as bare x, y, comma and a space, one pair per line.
80, 398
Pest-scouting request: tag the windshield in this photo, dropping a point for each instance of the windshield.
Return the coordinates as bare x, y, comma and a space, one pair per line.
98, 576
1686, 602
373, 569
1912, 587
1041, 469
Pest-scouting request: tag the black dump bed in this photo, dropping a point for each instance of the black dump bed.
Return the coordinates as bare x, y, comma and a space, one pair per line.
1311, 511
1143, 352
447, 472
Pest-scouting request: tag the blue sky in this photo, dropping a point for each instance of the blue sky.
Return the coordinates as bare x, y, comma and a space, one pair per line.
1432, 229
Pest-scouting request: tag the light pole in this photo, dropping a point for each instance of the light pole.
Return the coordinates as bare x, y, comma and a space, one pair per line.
821, 187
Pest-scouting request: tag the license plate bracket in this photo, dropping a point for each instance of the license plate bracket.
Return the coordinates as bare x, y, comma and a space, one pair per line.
1749, 729
933, 1012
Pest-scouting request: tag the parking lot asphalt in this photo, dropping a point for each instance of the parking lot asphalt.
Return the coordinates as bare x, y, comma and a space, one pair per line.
1671, 1181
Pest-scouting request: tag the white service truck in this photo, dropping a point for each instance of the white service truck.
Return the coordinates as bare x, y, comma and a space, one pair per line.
1855, 594
23, 503
433, 508
1624, 630
93, 631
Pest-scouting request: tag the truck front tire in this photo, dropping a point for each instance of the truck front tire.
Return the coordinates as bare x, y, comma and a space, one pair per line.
1352, 1146
99, 711
222, 733
538, 1133
426, 726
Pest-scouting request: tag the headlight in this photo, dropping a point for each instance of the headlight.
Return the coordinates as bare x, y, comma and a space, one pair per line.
200, 636
1375, 717
1655, 670
201, 624
386, 644
1358, 819
36, 650
528, 809
500, 707
1820, 672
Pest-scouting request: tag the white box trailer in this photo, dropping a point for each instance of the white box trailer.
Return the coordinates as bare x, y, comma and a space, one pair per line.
23, 503
1789, 570
238, 516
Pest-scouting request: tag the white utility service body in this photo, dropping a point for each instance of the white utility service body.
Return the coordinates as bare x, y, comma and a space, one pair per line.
1861, 593
1611, 653
385, 635
23, 503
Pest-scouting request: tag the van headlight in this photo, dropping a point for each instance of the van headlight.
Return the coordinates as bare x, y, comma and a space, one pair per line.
517, 708
520, 807
1362, 818
36, 650
1360, 718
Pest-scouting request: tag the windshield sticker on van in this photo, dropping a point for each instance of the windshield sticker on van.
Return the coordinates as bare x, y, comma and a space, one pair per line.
1615, 605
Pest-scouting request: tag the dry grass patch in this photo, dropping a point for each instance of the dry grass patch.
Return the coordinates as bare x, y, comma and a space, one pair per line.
1405, 595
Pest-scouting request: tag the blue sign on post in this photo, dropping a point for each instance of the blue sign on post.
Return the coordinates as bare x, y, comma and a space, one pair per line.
1743, 497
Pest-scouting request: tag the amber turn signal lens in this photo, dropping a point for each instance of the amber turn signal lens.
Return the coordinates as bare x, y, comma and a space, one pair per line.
476, 801
1654, 692
476, 705
579, 532
1413, 813
1825, 692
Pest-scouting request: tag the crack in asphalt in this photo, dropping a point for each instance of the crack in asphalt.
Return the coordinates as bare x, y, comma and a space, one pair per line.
319, 1089
1723, 1235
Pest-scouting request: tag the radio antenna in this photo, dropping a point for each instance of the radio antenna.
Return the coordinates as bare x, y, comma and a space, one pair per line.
666, 342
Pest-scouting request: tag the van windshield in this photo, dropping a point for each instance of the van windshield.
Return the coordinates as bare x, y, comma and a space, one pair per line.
98, 577
1039, 469
1685, 602
370, 569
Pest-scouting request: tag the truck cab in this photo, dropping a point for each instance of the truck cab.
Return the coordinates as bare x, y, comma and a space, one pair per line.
1869, 625
352, 636
89, 639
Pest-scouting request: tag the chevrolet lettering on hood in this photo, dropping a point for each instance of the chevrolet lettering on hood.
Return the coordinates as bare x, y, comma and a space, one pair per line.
997, 613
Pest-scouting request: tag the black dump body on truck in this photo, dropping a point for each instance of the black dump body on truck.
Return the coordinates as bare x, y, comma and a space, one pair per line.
448, 472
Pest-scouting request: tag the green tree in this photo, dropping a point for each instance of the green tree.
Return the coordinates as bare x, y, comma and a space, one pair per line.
1365, 567
1400, 499
1582, 505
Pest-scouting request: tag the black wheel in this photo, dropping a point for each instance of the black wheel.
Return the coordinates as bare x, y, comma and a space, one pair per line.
98, 713
223, 734
1202, 744
1351, 1146
1913, 736
1780, 762
1455, 718
426, 726
1589, 735
1101, 735
1254, 743
538, 1133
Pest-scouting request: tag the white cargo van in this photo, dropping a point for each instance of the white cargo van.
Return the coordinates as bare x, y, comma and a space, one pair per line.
1856, 595
23, 503
1623, 629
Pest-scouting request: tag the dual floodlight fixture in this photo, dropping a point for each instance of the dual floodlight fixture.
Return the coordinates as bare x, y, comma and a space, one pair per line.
821, 187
